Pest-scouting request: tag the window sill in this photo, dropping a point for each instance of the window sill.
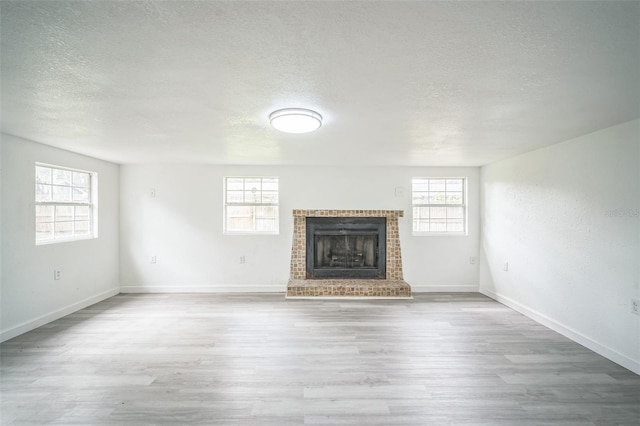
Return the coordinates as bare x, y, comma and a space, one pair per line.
64, 240
439, 234
249, 233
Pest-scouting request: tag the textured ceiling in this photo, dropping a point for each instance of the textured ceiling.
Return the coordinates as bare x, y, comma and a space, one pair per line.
398, 83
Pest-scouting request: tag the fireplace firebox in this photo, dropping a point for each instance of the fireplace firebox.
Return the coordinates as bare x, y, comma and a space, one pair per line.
346, 247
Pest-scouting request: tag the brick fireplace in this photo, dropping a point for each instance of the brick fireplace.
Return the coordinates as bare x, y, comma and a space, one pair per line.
389, 283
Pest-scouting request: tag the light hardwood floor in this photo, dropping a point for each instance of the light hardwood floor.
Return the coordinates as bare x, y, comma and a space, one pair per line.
258, 359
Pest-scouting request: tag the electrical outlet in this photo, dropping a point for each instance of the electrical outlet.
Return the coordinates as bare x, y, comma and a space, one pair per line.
154, 259
505, 266
152, 192
635, 306
473, 260
56, 274
243, 259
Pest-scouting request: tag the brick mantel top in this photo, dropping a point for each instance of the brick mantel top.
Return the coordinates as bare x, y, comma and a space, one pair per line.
298, 249
349, 213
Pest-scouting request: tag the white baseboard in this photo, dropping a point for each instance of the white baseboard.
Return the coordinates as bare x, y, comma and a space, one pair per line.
275, 289
205, 289
47, 318
568, 332
444, 288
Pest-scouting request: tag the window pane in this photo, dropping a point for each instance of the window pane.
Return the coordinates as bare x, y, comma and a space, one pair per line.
421, 212
438, 225
420, 185
454, 185
43, 192
44, 214
270, 184
266, 225
62, 177
235, 196
43, 174
454, 213
64, 213
252, 196
240, 218
420, 198
269, 197
266, 219
421, 219
44, 231
421, 225
239, 211
82, 213
63, 229
455, 226
267, 212
61, 193
454, 198
81, 227
81, 179
81, 194
252, 184
436, 198
438, 212
235, 184
437, 185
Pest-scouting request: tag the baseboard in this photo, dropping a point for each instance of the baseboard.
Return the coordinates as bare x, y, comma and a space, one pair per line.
276, 289
444, 288
568, 332
47, 318
205, 289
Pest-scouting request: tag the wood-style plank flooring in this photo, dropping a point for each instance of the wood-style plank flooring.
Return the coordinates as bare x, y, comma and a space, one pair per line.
258, 359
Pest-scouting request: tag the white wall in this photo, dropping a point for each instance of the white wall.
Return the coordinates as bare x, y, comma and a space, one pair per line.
182, 227
566, 219
89, 269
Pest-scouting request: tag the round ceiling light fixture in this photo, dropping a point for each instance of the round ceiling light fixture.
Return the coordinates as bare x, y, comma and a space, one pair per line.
295, 120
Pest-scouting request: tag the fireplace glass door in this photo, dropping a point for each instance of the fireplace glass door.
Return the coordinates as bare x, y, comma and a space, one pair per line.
346, 248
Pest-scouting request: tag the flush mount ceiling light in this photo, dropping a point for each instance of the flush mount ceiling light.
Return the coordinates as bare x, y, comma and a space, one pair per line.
295, 120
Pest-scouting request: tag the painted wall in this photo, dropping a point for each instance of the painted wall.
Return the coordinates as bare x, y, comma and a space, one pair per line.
567, 220
182, 227
89, 269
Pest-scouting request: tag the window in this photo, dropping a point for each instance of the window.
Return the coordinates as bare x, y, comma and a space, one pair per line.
65, 204
439, 206
251, 205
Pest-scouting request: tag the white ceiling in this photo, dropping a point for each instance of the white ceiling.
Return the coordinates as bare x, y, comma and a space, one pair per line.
398, 83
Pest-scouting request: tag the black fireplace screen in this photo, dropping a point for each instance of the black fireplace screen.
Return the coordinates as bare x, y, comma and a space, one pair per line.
346, 248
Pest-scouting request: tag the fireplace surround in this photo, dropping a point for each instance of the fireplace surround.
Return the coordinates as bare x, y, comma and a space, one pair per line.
387, 282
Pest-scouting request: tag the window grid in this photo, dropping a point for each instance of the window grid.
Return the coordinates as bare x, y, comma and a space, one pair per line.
63, 204
251, 205
439, 206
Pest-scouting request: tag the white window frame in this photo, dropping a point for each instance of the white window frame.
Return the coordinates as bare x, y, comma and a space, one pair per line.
228, 204
92, 205
462, 204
